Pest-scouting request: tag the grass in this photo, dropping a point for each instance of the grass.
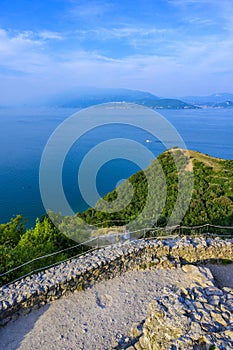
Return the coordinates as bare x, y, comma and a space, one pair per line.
213, 162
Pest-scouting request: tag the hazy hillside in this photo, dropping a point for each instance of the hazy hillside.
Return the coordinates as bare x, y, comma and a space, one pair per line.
169, 103
226, 104
211, 100
88, 97
85, 97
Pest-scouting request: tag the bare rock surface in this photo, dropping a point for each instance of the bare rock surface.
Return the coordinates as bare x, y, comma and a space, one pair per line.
194, 318
106, 315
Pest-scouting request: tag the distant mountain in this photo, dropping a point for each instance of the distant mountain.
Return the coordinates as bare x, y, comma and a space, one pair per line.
88, 97
226, 104
168, 103
210, 100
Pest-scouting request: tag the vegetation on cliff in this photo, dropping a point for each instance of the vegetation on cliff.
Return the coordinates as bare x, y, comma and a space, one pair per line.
211, 202
212, 191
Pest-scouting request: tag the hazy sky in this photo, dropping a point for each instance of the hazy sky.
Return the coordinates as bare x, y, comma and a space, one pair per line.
167, 47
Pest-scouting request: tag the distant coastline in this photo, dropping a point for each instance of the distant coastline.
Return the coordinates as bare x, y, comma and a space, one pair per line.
25, 132
90, 97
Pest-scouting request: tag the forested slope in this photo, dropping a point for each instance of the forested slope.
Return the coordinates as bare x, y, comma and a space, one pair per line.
211, 191
148, 198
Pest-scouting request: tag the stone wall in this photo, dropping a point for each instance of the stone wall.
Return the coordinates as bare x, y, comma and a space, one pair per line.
200, 317
77, 274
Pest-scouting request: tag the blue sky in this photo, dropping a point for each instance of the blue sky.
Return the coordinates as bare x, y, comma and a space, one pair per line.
168, 47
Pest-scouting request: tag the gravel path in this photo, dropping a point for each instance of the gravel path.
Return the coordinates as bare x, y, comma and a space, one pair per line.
98, 317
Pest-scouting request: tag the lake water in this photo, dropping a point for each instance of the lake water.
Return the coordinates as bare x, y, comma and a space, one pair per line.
24, 134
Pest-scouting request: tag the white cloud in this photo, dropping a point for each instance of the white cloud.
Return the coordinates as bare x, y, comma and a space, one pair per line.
47, 35
169, 63
163, 75
20, 41
201, 21
89, 10
127, 32
21, 52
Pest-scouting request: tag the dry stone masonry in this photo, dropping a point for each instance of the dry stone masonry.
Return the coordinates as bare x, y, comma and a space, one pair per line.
200, 317
179, 319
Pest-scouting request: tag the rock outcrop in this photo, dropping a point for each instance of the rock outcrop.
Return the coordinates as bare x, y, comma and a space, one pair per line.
182, 319
196, 318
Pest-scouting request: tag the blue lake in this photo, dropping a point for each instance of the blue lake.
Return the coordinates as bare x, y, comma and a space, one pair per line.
24, 134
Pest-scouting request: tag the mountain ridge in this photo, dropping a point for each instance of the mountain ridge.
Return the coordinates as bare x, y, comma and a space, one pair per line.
86, 97
83, 98
212, 100
90, 97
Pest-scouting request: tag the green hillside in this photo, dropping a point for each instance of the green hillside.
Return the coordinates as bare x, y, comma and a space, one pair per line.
211, 193
157, 196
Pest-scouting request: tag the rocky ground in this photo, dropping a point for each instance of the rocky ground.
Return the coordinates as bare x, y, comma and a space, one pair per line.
199, 317
121, 313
